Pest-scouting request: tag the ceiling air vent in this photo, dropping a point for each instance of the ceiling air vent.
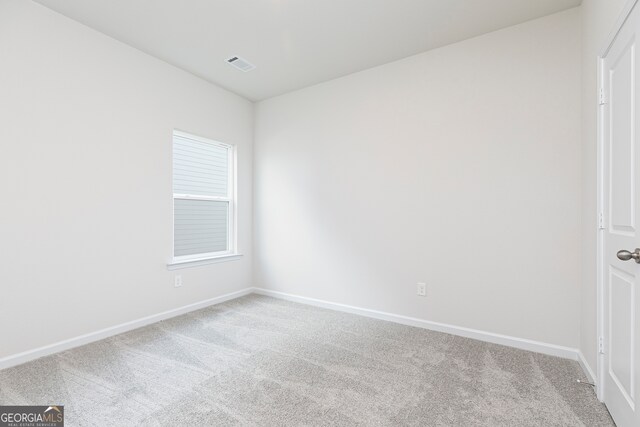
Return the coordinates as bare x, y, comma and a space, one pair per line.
241, 64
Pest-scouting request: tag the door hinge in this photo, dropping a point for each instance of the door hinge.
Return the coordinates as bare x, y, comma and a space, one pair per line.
601, 221
603, 97
600, 345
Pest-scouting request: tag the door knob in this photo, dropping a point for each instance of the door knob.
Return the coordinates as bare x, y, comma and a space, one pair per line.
626, 255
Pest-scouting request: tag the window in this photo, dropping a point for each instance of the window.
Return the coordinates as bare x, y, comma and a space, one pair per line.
203, 198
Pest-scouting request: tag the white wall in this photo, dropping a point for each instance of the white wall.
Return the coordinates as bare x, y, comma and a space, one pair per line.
598, 19
85, 178
451, 166
459, 167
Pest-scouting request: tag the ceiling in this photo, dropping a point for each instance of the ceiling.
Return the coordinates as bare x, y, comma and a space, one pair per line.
294, 43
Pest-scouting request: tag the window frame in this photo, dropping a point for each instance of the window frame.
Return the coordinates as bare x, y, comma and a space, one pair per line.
231, 251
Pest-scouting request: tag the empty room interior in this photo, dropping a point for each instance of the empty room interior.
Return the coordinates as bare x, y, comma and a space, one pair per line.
320, 212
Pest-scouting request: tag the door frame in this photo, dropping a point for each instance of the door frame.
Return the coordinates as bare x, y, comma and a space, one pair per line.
601, 215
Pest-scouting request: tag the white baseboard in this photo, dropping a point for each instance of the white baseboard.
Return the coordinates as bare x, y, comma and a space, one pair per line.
586, 368
47, 350
521, 343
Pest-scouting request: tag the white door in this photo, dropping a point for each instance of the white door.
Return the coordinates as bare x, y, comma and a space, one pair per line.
621, 190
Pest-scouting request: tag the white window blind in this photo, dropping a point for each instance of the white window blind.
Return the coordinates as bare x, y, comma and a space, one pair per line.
200, 167
202, 197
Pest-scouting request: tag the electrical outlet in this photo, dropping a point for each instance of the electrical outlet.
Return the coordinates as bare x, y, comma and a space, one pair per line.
178, 281
422, 289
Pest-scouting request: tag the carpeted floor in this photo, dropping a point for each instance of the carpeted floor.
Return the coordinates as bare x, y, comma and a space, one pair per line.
262, 361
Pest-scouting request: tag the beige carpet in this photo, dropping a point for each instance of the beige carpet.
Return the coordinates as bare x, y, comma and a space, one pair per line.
262, 361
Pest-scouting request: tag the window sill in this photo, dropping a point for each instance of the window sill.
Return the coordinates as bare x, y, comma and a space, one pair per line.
175, 265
